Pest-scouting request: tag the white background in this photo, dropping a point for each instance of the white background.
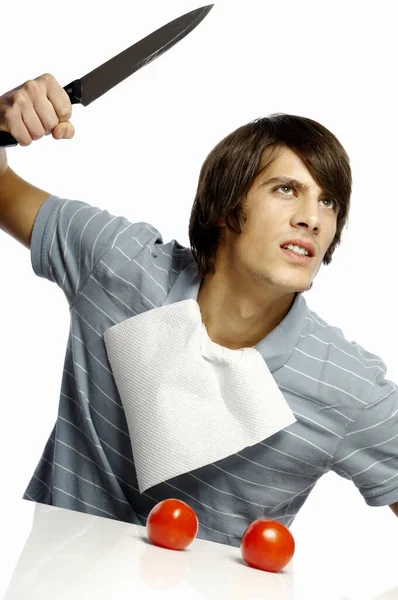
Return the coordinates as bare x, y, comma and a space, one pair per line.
138, 151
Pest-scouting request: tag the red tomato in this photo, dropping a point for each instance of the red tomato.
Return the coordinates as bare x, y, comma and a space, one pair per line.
267, 545
172, 524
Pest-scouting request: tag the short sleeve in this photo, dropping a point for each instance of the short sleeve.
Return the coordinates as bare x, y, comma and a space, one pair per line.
69, 237
368, 454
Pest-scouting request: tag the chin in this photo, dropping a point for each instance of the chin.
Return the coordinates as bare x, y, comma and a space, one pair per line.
283, 280
306, 289
293, 285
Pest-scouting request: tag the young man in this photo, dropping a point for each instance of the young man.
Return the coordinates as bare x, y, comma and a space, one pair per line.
271, 205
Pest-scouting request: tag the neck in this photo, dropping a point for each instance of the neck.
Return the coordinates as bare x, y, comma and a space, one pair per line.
240, 316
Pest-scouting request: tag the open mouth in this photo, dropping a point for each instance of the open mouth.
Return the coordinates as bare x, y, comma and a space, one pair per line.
299, 247
297, 250
297, 253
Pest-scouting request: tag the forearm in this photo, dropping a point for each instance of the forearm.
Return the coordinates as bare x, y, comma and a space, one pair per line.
3, 162
34, 109
19, 204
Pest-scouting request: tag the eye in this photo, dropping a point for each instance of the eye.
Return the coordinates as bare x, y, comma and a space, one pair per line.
331, 204
285, 189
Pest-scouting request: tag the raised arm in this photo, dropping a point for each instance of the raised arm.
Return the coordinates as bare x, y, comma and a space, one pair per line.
36, 108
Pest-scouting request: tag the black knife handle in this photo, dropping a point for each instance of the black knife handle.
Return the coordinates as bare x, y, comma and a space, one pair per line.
6, 140
74, 91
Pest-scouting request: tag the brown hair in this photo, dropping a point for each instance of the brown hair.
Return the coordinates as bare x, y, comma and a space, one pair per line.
232, 166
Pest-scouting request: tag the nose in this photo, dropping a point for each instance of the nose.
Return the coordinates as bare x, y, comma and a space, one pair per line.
306, 214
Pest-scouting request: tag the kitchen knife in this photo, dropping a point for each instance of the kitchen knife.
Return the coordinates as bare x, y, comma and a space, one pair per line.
99, 81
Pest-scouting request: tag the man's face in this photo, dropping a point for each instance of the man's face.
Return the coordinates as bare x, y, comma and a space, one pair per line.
285, 206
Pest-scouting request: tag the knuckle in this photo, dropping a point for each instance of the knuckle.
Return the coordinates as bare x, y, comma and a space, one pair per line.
31, 89
64, 113
50, 124
36, 135
47, 78
53, 122
7, 115
20, 98
31, 85
25, 142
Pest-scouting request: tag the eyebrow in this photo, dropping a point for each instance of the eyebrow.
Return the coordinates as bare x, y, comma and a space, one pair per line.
284, 180
299, 185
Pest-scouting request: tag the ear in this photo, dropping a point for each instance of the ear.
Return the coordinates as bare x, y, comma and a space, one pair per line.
221, 223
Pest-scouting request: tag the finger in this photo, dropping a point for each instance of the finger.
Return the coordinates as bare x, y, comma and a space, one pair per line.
59, 99
64, 130
20, 133
32, 122
46, 113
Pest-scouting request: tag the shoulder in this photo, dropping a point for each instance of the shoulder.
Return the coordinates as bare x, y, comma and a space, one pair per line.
338, 372
80, 223
329, 341
143, 247
73, 241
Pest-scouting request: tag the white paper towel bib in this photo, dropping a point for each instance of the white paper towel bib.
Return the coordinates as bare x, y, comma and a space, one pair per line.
188, 401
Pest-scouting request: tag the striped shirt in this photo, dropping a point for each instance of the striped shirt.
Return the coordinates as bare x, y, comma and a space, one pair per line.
110, 270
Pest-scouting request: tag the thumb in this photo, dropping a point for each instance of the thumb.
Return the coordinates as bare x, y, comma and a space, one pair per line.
63, 130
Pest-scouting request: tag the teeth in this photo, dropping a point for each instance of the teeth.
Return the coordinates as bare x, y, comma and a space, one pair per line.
297, 249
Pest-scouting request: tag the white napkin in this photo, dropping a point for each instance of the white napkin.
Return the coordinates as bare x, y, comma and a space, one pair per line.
188, 401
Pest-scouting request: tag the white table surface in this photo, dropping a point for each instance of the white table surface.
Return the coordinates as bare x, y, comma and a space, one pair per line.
52, 553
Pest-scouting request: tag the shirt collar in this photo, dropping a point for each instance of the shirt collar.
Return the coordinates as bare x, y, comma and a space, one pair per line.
277, 346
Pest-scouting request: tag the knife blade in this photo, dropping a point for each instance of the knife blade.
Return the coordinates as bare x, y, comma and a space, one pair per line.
93, 85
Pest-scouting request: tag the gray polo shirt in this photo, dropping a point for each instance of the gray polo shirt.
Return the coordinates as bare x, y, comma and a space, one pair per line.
110, 270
